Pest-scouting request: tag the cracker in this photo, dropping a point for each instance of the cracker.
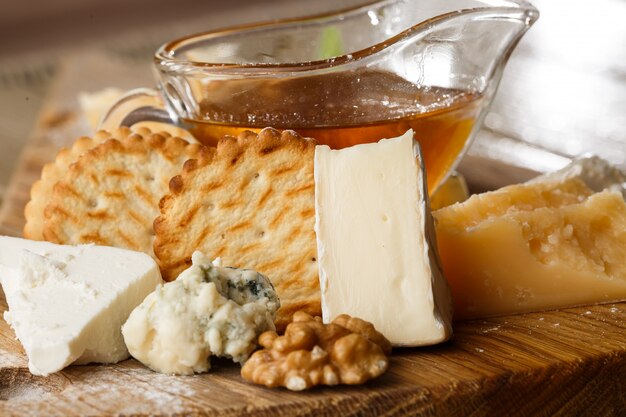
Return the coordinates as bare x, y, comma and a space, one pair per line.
41, 190
110, 195
252, 204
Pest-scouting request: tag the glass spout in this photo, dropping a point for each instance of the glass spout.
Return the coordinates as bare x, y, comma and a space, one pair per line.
466, 49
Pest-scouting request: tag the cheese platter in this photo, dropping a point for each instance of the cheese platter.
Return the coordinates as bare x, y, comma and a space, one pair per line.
518, 346
563, 362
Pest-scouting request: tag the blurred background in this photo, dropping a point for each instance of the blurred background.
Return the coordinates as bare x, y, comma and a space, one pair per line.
563, 92
39, 40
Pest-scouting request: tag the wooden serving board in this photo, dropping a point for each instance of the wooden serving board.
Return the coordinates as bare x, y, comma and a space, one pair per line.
568, 362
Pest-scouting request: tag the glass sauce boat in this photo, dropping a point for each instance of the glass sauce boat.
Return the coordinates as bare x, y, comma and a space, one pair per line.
348, 77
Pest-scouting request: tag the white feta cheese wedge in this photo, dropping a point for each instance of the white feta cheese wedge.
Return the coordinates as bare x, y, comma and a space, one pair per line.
67, 304
376, 241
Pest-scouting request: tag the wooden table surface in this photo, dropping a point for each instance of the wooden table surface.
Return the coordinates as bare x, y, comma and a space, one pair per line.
563, 94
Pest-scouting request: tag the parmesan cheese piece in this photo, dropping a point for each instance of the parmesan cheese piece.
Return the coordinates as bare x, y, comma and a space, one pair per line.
375, 241
453, 190
67, 304
94, 105
594, 172
549, 243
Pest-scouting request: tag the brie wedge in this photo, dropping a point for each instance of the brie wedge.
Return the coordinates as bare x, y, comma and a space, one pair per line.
67, 304
375, 241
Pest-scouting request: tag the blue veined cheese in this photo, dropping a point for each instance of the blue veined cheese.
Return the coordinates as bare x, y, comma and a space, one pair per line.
375, 241
208, 310
67, 304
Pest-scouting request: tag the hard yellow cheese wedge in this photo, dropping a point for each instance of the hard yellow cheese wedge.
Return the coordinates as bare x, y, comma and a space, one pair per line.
534, 246
453, 190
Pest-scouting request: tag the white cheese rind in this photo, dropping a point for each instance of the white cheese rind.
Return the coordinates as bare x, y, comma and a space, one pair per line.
376, 241
67, 304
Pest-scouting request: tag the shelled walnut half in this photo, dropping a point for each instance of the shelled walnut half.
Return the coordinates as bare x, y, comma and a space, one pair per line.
346, 351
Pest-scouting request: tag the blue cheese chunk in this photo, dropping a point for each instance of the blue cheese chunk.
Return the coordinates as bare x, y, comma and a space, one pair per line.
208, 310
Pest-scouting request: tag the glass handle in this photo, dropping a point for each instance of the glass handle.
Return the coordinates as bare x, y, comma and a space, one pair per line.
138, 105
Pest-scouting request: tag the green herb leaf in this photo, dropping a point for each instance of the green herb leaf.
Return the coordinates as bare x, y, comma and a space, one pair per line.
331, 44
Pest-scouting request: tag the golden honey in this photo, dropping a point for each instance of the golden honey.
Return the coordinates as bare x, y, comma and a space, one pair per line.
345, 109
